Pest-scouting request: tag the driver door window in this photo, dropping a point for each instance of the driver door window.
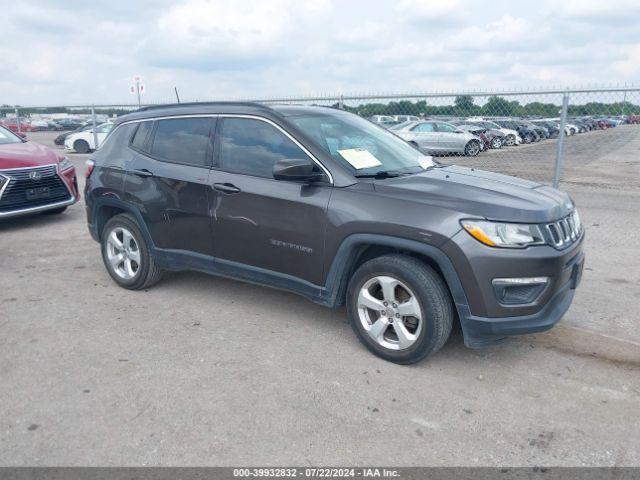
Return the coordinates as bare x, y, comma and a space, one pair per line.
251, 147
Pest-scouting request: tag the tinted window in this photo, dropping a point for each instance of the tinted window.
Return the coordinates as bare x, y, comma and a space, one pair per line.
424, 127
253, 146
140, 137
183, 140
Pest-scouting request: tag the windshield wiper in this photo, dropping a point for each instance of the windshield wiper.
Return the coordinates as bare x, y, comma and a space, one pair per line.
383, 174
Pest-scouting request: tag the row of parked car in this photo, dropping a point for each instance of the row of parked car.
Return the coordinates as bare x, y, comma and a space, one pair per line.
24, 124
470, 136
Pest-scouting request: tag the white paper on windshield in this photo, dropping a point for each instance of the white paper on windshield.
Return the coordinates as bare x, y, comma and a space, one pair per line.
426, 161
360, 158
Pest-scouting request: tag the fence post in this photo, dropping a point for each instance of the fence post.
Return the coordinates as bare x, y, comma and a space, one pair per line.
341, 102
18, 120
95, 132
559, 151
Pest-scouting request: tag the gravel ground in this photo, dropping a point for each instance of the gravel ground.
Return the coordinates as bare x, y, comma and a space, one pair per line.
206, 371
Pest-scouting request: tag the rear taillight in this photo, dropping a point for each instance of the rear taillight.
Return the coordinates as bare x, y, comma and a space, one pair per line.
89, 164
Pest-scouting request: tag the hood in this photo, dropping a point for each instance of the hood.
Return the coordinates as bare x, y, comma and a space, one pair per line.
26, 154
477, 193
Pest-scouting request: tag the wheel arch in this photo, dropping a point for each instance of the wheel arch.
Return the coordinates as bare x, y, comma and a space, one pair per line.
359, 248
106, 208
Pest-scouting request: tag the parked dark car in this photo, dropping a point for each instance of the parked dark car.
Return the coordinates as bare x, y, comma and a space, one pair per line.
59, 140
528, 134
70, 123
321, 202
552, 129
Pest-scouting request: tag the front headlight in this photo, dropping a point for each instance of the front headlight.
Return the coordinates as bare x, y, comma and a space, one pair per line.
65, 164
507, 235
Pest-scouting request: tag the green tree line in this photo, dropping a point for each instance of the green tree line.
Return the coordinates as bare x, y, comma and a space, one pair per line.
495, 106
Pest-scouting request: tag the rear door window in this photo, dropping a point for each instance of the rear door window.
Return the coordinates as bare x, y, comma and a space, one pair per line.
183, 140
424, 127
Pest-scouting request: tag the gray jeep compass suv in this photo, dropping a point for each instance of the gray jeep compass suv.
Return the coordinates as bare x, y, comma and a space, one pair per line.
323, 203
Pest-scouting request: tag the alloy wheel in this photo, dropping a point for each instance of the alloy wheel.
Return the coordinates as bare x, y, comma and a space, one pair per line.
389, 312
123, 253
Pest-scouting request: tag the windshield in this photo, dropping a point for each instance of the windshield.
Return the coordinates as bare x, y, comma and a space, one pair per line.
7, 137
362, 147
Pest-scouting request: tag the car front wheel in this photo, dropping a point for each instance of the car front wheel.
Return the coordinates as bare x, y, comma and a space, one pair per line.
126, 255
400, 308
496, 142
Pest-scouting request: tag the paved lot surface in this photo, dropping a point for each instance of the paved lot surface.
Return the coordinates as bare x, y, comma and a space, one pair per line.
206, 371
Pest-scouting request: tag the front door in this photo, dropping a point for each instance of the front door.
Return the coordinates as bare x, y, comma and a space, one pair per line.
259, 221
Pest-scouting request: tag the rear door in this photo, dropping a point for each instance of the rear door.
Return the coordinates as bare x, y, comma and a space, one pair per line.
448, 138
167, 181
427, 137
259, 221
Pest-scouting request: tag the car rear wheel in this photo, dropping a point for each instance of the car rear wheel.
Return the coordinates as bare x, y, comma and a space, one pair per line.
400, 308
528, 138
496, 142
472, 148
126, 255
81, 146
510, 140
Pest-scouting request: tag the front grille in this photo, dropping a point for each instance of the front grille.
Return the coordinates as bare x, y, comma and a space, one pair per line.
15, 193
564, 232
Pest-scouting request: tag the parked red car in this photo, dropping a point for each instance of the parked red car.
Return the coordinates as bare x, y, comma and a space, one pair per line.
12, 125
33, 178
634, 119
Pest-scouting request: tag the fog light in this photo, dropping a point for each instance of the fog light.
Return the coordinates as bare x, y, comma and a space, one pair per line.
519, 291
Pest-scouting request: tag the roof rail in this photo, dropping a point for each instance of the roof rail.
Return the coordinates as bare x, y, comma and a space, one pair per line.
202, 104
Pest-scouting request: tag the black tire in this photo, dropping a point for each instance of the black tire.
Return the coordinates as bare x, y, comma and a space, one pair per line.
472, 148
55, 211
510, 140
81, 146
528, 138
148, 272
496, 143
433, 297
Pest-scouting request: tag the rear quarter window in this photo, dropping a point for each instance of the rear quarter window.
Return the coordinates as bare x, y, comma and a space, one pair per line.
141, 136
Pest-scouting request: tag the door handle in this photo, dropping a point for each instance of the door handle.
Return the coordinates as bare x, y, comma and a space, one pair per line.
143, 173
226, 188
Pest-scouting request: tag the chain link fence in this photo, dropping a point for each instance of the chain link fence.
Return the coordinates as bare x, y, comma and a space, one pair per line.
552, 136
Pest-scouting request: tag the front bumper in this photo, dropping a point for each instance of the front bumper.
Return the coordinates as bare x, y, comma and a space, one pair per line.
486, 319
68, 180
485, 331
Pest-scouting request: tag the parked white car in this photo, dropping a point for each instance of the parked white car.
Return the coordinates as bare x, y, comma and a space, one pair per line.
84, 142
511, 137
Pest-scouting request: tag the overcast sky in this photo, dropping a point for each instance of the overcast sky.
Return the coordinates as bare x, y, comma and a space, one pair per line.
74, 51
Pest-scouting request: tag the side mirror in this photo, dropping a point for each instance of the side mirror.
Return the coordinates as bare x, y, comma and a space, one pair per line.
296, 170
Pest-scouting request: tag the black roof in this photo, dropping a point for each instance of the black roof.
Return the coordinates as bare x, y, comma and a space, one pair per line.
249, 108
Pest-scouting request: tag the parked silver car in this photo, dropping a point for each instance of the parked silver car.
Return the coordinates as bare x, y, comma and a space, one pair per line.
432, 136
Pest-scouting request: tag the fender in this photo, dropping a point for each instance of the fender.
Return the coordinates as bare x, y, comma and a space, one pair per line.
127, 207
351, 246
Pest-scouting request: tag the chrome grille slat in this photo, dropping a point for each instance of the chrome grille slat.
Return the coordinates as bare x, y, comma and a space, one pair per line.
563, 232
